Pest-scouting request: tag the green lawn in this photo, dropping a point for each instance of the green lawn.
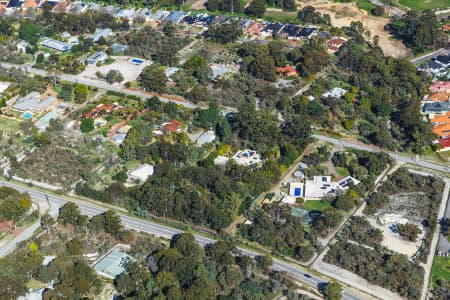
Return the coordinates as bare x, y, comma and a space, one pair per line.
440, 269
9, 125
425, 4
342, 172
316, 205
365, 5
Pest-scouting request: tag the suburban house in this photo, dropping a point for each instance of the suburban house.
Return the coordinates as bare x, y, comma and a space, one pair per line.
445, 144
141, 173
175, 17
60, 8
35, 102
442, 130
44, 122
173, 126
249, 158
119, 48
436, 108
27, 4
438, 97
335, 43
336, 92
320, 186
206, 137
432, 67
255, 28
290, 31
95, 112
97, 57
271, 28
287, 71
22, 46
125, 14
440, 86
306, 32
56, 45
101, 33
443, 60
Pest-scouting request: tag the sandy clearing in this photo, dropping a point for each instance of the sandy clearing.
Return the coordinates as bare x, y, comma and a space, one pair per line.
129, 70
342, 14
393, 241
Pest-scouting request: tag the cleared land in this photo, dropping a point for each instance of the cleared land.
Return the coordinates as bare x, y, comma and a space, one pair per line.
425, 4
342, 14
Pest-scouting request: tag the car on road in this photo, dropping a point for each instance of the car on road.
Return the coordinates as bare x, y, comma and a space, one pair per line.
307, 275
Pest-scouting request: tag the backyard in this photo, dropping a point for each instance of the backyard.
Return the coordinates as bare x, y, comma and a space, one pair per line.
316, 205
9, 125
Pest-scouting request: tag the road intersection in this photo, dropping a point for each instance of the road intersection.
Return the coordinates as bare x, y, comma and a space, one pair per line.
91, 209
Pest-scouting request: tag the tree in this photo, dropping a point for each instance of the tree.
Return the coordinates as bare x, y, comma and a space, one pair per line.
224, 32
29, 32
69, 214
408, 231
40, 58
257, 8
112, 222
114, 76
74, 247
87, 125
309, 15
169, 28
186, 245
264, 262
81, 92
42, 139
153, 78
47, 222
333, 291
198, 67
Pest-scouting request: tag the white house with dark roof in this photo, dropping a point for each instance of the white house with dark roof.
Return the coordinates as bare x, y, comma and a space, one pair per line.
56, 45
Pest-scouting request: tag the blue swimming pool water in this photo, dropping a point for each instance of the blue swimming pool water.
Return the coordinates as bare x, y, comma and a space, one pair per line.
137, 61
27, 115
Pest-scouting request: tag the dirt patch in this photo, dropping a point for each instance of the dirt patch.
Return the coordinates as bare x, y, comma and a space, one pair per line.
392, 240
197, 4
342, 14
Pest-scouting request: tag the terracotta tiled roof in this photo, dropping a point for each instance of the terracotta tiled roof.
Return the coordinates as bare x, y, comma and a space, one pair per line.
172, 126
440, 96
442, 119
287, 70
442, 130
30, 4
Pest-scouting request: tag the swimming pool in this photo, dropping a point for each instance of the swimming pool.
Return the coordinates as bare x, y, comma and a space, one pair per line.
137, 61
27, 115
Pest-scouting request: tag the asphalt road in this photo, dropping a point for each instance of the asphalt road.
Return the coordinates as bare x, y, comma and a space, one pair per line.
421, 59
128, 222
409, 160
95, 83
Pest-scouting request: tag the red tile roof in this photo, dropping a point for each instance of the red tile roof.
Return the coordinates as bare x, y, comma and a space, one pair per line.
287, 70
336, 43
172, 126
445, 143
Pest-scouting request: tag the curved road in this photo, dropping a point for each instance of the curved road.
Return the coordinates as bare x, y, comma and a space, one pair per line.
95, 83
409, 160
159, 230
